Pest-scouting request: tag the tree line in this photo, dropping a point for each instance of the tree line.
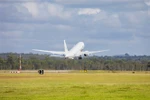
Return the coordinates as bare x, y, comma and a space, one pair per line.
10, 61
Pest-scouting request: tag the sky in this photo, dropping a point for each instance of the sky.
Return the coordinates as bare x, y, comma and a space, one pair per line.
123, 26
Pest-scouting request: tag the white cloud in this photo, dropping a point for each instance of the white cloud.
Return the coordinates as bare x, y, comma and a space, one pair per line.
110, 26
147, 2
11, 34
42, 10
63, 27
84, 2
134, 19
32, 8
88, 11
106, 19
101, 16
113, 21
57, 11
70, 1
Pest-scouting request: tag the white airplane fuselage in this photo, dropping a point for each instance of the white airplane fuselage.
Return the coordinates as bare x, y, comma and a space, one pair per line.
75, 51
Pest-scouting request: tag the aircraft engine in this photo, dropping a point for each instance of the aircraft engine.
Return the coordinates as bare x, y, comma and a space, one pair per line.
85, 54
80, 57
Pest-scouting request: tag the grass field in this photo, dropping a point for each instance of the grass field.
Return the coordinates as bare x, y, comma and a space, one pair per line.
75, 86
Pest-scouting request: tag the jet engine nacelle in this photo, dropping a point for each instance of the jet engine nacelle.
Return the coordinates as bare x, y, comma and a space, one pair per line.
80, 57
85, 54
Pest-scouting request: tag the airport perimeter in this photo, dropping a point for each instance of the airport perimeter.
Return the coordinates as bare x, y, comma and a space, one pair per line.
75, 85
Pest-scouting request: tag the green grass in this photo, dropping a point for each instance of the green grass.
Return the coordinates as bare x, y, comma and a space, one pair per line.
75, 86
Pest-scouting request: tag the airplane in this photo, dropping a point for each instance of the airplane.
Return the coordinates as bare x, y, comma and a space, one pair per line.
75, 52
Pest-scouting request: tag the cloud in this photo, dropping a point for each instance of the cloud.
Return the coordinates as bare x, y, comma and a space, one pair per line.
107, 5
147, 2
33, 12
135, 19
6, 36
97, 3
57, 11
32, 8
88, 11
107, 19
94, 1
117, 24
47, 10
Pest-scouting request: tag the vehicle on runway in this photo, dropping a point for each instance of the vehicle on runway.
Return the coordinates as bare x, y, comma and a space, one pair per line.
75, 52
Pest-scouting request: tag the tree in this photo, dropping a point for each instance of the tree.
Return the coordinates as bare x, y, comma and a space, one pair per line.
10, 61
148, 65
2, 63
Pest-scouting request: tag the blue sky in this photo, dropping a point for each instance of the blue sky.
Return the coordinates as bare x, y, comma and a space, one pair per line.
123, 26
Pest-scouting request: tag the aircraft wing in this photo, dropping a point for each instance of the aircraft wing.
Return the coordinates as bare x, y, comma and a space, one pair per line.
92, 52
52, 52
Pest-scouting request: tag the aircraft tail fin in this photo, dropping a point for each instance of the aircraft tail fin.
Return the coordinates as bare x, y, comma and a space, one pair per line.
65, 47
